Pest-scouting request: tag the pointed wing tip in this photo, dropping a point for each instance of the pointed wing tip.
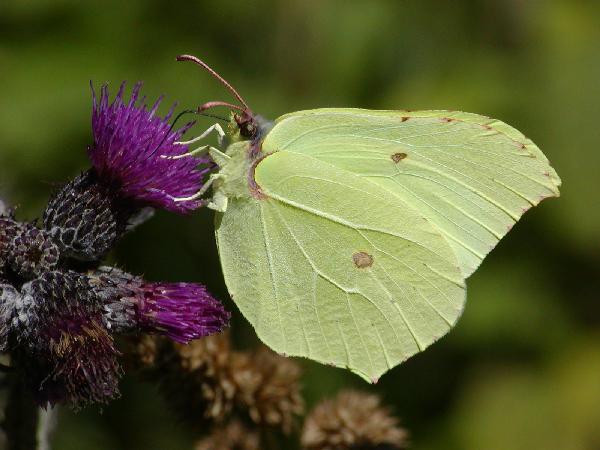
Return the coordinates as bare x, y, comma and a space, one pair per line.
372, 378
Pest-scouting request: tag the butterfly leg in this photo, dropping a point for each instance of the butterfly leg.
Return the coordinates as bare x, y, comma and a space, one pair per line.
218, 156
211, 179
218, 202
204, 148
216, 128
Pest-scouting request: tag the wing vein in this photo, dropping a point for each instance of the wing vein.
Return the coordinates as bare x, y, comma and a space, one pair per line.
272, 274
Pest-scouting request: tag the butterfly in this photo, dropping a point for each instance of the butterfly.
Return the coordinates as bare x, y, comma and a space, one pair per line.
346, 235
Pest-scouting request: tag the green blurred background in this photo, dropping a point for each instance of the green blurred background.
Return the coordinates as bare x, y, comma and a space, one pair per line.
522, 368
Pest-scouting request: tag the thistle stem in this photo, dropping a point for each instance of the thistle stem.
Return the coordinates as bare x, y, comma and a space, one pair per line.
48, 419
20, 416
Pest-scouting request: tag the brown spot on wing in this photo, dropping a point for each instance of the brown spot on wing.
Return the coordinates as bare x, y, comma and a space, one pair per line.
397, 157
362, 260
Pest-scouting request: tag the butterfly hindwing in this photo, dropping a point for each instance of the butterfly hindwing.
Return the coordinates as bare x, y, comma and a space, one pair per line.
328, 265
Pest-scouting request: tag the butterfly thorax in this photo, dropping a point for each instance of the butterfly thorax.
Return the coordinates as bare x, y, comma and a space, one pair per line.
236, 173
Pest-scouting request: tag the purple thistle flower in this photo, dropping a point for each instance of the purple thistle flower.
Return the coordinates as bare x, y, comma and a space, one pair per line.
181, 311
134, 149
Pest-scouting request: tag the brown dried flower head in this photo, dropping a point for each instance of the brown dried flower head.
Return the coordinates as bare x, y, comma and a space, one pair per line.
207, 381
196, 379
352, 420
142, 351
268, 388
233, 436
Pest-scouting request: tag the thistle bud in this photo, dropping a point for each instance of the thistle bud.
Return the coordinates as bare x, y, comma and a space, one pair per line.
86, 217
9, 229
9, 298
33, 252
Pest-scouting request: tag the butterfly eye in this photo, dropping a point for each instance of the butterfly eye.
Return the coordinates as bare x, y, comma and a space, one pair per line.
246, 124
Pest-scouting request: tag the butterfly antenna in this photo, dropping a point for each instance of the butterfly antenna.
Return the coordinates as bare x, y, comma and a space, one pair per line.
214, 116
222, 80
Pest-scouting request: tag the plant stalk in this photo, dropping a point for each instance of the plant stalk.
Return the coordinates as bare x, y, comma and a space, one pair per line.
20, 415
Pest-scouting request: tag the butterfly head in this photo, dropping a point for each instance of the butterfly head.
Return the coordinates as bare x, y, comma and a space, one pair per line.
249, 125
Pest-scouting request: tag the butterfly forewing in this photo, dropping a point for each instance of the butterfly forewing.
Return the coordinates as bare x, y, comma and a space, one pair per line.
471, 176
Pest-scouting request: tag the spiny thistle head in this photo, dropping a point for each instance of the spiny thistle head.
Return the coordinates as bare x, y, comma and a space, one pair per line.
352, 420
137, 152
9, 297
80, 368
180, 311
59, 327
137, 164
58, 323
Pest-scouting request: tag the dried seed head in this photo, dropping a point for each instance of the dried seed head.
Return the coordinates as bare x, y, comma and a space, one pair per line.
268, 388
197, 380
142, 352
207, 381
352, 420
233, 436
62, 343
